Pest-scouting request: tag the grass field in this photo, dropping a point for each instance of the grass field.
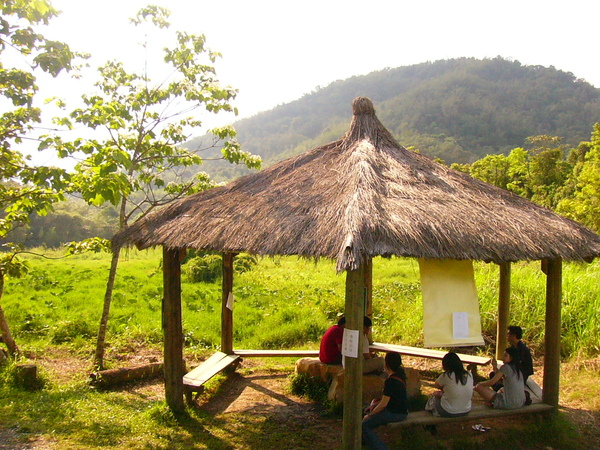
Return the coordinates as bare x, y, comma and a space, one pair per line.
281, 303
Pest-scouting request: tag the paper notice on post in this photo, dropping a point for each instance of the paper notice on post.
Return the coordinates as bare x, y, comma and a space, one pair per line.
350, 343
229, 303
460, 325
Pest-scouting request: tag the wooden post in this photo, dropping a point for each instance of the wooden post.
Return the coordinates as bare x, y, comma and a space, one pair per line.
226, 311
353, 367
27, 376
552, 337
172, 329
503, 309
369, 293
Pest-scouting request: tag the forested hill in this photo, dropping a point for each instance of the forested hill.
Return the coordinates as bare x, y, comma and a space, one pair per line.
458, 110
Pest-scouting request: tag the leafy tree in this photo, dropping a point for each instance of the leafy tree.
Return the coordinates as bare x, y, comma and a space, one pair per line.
518, 172
135, 165
24, 189
539, 174
548, 170
584, 205
493, 169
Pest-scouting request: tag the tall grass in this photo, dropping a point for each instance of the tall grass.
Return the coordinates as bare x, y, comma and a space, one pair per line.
281, 303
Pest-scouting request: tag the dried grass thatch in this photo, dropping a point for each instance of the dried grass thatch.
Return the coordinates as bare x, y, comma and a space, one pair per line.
363, 196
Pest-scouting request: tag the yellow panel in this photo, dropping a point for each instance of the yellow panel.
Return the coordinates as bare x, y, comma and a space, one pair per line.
448, 287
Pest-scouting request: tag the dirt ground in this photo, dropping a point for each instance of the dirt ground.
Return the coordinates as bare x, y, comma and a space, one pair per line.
254, 390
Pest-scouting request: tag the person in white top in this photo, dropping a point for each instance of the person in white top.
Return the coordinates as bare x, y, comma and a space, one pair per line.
455, 389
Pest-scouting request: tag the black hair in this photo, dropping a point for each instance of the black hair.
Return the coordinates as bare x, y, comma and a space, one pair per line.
515, 360
451, 363
393, 361
366, 322
516, 331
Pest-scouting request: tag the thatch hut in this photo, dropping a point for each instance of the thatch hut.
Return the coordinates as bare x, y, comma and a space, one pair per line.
361, 196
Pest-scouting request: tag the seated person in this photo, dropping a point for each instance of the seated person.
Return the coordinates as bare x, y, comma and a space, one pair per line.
372, 362
455, 389
514, 338
391, 407
330, 350
512, 395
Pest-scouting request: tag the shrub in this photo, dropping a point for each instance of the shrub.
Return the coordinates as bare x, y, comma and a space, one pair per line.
312, 388
208, 267
244, 262
34, 325
68, 331
205, 268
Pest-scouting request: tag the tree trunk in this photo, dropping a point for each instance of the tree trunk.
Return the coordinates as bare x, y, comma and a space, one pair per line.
6, 335
100, 344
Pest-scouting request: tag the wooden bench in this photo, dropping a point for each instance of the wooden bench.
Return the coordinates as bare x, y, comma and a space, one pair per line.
276, 353
479, 411
194, 380
471, 360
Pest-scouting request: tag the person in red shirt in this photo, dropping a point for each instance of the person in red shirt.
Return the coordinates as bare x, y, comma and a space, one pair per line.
330, 351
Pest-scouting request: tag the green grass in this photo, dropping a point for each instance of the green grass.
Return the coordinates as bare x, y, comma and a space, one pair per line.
281, 303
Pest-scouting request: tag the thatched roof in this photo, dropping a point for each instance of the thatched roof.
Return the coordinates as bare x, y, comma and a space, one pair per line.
363, 196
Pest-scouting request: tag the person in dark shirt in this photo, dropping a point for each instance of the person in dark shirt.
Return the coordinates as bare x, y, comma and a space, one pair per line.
393, 405
514, 336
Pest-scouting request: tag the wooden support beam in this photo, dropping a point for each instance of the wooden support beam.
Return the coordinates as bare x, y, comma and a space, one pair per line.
551, 379
354, 312
226, 310
368, 292
503, 309
172, 329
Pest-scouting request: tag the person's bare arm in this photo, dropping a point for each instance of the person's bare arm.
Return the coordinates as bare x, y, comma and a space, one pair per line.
493, 381
380, 406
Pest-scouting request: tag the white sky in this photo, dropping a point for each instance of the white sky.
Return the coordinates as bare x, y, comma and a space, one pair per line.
276, 51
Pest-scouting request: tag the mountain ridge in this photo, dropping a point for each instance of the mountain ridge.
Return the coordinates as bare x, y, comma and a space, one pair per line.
458, 110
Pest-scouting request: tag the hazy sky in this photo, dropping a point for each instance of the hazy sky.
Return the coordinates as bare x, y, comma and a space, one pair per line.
276, 51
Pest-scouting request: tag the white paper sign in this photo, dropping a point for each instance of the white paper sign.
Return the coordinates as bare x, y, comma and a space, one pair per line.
460, 325
229, 304
350, 343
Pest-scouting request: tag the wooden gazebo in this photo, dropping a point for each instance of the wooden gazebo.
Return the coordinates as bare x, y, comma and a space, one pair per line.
361, 196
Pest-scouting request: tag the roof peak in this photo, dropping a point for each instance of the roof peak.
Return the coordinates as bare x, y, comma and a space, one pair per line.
362, 106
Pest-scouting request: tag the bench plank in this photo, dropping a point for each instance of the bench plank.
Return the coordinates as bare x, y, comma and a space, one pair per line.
478, 411
428, 353
258, 353
208, 369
